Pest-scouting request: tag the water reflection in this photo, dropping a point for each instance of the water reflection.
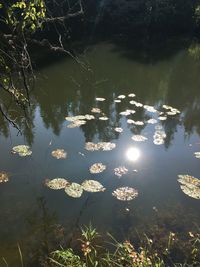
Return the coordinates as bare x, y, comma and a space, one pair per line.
133, 154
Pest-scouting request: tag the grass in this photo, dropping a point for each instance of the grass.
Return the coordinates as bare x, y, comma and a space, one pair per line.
95, 251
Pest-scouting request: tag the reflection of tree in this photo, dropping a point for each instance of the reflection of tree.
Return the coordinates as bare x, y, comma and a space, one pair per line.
175, 83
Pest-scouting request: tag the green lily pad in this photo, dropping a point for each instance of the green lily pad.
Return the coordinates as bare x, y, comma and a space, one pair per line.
74, 190
92, 186
22, 150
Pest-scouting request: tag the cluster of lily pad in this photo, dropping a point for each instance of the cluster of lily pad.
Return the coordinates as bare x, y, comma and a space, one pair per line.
74, 190
189, 184
105, 146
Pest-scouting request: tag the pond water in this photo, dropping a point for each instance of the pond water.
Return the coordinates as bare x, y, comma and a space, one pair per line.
32, 214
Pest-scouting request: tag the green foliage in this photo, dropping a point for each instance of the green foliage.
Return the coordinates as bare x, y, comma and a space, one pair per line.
25, 15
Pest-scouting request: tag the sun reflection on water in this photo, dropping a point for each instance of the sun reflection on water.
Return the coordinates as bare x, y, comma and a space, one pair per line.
133, 154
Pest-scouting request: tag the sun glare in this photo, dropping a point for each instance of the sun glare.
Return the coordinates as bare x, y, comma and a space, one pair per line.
133, 154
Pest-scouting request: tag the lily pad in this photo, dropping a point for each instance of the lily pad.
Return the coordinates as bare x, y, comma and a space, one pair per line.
131, 95
103, 118
100, 99
118, 130
75, 118
74, 190
139, 123
76, 123
190, 185
22, 150
152, 121
4, 177
125, 193
57, 183
121, 96
129, 121
197, 155
105, 146
59, 153
119, 171
150, 108
162, 118
92, 186
96, 110
139, 138
159, 136
97, 168
137, 104
127, 112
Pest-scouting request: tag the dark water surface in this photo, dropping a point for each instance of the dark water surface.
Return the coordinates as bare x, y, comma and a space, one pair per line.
30, 212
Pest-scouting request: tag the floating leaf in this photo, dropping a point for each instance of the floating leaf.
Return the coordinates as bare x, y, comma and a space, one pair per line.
127, 112
190, 185
172, 110
131, 95
139, 138
75, 118
158, 141
74, 190
59, 154
97, 168
100, 99
159, 136
89, 117
92, 186
197, 155
4, 177
171, 113
76, 124
96, 110
118, 130
119, 171
80, 118
137, 104
162, 118
107, 146
22, 150
152, 121
150, 108
57, 183
125, 193
121, 96
103, 118
139, 123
